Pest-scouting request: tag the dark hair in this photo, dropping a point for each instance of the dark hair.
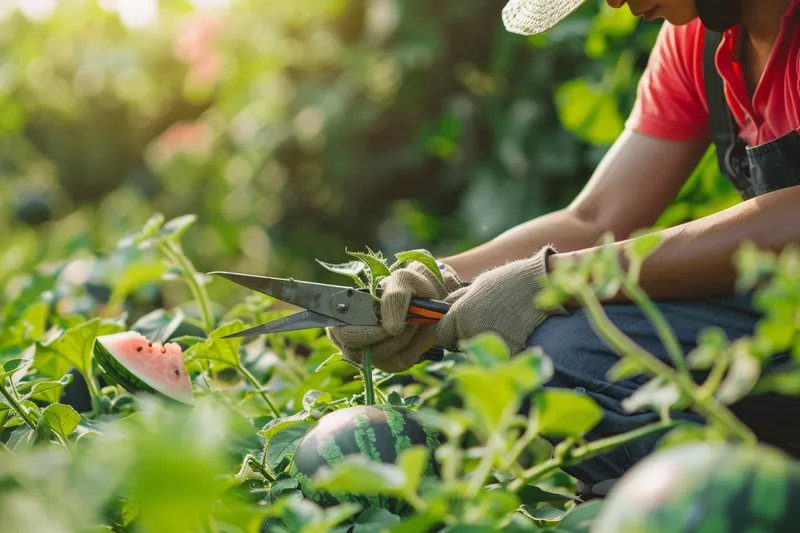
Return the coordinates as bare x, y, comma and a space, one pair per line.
719, 15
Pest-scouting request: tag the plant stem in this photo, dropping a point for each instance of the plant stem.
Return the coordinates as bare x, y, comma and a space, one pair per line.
584, 452
259, 388
175, 253
660, 324
23, 414
259, 467
707, 407
369, 391
484, 468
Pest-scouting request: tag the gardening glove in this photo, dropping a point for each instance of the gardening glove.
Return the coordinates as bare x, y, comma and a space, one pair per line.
499, 300
396, 345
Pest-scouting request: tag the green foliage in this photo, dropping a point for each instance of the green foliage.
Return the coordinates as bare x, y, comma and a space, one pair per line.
295, 130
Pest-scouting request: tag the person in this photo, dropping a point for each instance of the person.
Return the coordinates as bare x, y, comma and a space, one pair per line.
721, 71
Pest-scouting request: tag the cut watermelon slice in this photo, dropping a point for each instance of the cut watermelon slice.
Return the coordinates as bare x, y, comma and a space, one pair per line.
140, 365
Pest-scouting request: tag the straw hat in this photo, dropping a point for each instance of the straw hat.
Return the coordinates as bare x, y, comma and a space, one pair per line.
530, 17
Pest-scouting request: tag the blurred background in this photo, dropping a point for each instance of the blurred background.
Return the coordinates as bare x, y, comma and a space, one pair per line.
294, 129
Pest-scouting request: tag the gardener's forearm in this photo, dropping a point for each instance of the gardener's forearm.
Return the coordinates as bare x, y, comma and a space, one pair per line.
564, 229
696, 259
637, 179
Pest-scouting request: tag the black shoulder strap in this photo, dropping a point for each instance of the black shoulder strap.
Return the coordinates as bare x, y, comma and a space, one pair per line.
718, 110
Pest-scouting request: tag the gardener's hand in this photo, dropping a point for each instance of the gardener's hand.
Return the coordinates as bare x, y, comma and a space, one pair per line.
397, 345
499, 300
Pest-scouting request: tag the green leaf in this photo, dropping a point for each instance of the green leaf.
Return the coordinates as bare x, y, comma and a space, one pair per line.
377, 267
280, 424
12, 366
313, 397
149, 230
684, 435
566, 413
785, 381
357, 474
335, 358
424, 257
135, 276
352, 269
375, 521
657, 394
412, 462
580, 518
624, 368
509, 381
176, 227
543, 516
49, 391
158, 326
35, 318
217, 348
61, 418
742, 375
284, 443
487, 349
589, 111
76, 344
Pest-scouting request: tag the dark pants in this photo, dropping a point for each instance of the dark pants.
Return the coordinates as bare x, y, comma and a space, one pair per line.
581, 361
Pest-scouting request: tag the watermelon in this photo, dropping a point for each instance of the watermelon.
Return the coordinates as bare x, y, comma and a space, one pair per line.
379, 432
139, 365
705, 487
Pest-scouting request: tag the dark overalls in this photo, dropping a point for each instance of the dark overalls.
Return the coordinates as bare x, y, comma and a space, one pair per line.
581, 359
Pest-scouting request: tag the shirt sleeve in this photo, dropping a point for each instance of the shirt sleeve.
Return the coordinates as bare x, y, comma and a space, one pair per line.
670, 99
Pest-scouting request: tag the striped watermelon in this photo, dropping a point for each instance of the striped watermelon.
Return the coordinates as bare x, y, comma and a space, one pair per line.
379, 432
140, 365
706, 487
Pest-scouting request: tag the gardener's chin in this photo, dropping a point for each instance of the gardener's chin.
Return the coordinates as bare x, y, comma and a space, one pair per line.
676, 13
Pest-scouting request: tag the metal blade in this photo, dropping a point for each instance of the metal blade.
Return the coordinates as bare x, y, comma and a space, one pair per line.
302, 320
346, 304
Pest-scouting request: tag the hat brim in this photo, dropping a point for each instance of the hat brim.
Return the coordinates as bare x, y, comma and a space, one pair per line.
532, 17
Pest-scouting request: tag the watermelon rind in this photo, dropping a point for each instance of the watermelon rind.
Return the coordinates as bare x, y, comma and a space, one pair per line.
378, 432
127, 379
706, 487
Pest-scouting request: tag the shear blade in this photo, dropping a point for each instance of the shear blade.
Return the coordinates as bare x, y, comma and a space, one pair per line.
302, 320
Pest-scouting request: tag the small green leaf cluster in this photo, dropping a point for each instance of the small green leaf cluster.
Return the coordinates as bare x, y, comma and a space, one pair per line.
370, 268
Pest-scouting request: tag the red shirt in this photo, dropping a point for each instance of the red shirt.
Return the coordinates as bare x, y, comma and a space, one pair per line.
671, 101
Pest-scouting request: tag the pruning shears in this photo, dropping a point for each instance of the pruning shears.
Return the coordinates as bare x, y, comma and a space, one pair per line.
329, 305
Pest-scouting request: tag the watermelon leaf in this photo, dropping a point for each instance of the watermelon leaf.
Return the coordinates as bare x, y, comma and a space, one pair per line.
313, 397
335, 358
375, 520
542, 516
742, 376
158, 325
657, 394
12, 366
217, 348
486, 349
566, 413
376, 265
580, 518
279, 424
284, 443
357, 474
61, 418
76, 344
422, 256
413, 461
351, 269
49, 391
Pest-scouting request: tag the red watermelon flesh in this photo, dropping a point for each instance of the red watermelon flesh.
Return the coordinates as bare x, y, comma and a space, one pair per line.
158, 367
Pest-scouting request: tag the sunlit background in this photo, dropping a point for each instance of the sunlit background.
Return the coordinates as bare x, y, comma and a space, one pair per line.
294, 129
